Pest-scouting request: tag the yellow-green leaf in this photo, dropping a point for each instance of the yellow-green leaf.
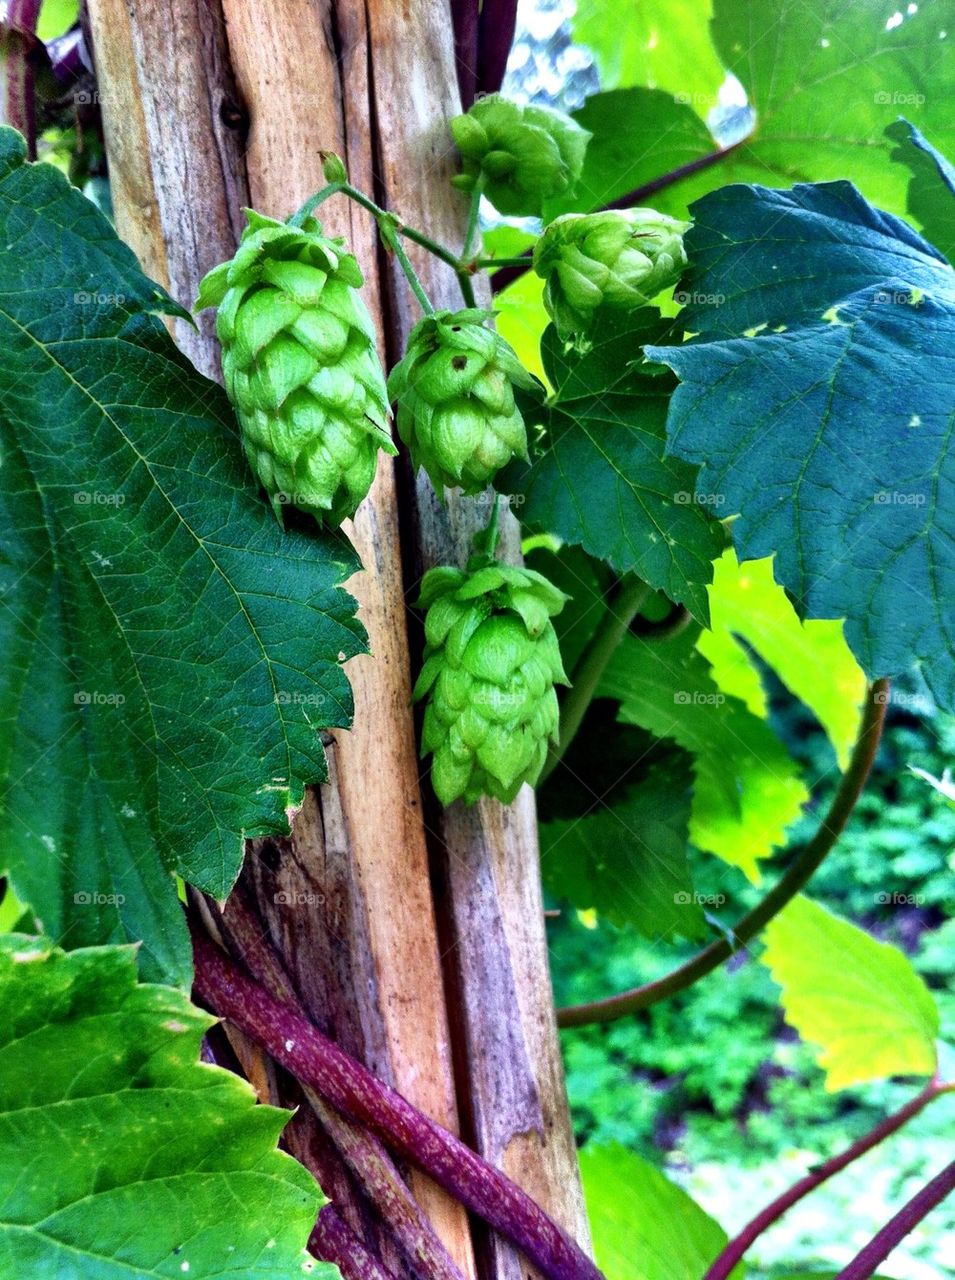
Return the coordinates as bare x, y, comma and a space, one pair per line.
859, 1000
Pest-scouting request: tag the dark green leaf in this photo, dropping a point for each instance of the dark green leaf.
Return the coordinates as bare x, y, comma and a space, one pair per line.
819, 401
169, 652
600, 479
626, 856
121, 1154
748, 789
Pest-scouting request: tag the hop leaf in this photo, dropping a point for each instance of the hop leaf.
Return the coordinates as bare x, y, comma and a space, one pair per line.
491, 662
522, 155
454, 390
300, 366
618, 259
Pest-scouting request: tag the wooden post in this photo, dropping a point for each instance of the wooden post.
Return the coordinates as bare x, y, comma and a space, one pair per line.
209, 106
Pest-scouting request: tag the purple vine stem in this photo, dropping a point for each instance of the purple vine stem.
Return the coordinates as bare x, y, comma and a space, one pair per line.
333, 1240
465, 20
863, 1265
350, 1087
791, 882
17, 43
495, 37
361, 1151
723, 1265
507, 275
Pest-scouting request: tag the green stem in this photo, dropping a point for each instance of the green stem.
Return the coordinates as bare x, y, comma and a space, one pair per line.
491, 264
410, 274
492, 531
474, 214
790, 883
587, 674
410, 233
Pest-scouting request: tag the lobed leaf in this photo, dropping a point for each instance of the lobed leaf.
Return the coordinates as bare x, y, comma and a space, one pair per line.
859, 1000
170, 653
818, 399
171, 1168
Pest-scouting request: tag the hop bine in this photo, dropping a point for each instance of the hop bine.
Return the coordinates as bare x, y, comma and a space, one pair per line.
454, 392
491, 663
618, 259
520, 155
300, 366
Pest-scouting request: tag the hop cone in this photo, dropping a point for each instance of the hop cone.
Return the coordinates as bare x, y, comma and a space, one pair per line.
454, 390
525, 155
615, 259
300, 366
491, 661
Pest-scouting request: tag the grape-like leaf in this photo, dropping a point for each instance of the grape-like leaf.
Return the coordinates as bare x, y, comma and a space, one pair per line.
121, 1154
931, 197
622, 847
662, 43
749, 614
858, 1000
600, 479
653, 1231
169, 652
748, 789
818, 399
825, 78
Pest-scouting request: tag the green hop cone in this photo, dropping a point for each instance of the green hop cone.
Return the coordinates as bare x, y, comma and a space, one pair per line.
618, 259
491, 663
522, 155
454, 391
300, 366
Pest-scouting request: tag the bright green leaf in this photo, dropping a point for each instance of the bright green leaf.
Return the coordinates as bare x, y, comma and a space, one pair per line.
748, 608
170, 655
858, 1000
825, 78
748, 789
931, 198
638, 134
121, 1154
644, 1226
818, 399
600, 480
56, 17
664, 44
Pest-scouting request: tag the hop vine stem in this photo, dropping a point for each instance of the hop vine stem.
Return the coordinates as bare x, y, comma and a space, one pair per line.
586, 676
723, 1265
790, 883
349, 1086
863, 1265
